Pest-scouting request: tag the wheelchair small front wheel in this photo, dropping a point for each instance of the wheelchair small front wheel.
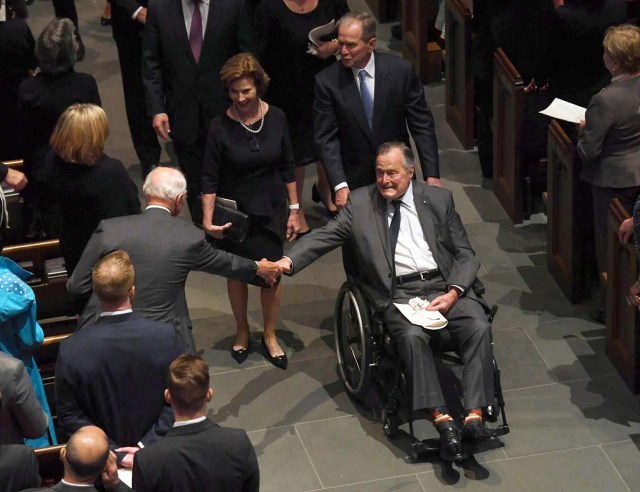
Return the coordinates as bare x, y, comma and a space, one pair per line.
390, 424
353, 342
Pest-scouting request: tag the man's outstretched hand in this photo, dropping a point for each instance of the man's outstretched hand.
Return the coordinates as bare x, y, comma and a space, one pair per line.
269, 270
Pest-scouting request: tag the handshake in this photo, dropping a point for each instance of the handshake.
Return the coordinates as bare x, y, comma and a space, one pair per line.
271, 270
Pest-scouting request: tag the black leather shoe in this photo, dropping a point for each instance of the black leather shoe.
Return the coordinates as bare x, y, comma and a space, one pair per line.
474, 430
81, 51
105, 21
450, 446
280, 361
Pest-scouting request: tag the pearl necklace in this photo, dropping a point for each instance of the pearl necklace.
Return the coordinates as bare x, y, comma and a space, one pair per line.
622, 76
246, 127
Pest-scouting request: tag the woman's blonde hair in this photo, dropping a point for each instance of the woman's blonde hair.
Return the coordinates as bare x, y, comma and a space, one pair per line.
245, 65
622, 44
80, 134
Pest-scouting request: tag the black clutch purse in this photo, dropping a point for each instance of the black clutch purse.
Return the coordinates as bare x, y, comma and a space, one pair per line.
223, 214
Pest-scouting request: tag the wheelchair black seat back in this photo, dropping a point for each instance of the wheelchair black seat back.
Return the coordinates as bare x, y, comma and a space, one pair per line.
368, 360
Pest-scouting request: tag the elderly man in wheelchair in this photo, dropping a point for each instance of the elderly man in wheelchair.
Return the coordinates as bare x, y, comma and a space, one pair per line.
404, 239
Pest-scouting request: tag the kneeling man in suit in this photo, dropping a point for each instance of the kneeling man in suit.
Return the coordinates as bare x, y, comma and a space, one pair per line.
112, 373
196, 454
408, 241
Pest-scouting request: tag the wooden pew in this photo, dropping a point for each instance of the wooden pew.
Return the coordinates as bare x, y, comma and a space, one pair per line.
623, 321
519, 165
51, 293
459, 77
51, 468
508, 110
417, 16
570, 257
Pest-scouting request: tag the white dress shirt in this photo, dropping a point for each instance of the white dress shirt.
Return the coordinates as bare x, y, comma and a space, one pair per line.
412, 250
187, 10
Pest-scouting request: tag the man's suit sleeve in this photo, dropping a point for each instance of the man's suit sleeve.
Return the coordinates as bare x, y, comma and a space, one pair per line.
252, 483
130, 6
218, 262
152, 62
421, 126
139, 481
325, 132
465, 264
335, 233
80, 284
25, 407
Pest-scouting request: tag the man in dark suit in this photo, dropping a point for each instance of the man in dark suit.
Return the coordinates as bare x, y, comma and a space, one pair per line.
430, 257
196, 454
184, 49
163, 249
367, 99
128, 18
85, 458
21, 414
18, 467
112, 373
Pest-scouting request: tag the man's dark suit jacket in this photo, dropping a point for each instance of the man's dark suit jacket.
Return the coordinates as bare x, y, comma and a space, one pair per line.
346, 144
190, 93
363, 224
18, 468
198, 457
61, 487
163, 250
113, 374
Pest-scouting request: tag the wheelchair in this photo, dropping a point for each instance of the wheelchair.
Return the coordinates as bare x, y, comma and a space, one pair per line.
367, 357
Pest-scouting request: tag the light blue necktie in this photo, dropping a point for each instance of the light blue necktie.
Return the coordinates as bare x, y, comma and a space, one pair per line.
367, 97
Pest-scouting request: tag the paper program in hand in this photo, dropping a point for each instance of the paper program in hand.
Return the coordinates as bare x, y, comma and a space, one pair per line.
416, 312
563, 110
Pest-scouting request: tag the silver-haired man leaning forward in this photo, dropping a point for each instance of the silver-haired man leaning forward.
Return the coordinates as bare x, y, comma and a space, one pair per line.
163, 250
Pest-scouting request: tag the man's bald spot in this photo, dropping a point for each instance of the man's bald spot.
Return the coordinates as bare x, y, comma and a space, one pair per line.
87, 451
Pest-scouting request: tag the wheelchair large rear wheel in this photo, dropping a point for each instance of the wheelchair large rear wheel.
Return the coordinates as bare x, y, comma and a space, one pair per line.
353, 343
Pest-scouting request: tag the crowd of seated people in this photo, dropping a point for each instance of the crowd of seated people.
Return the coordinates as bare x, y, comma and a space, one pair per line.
241, 151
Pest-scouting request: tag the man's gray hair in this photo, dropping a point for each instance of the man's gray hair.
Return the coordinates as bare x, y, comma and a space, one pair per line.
369, 23
408, 161
56, 47
165, 183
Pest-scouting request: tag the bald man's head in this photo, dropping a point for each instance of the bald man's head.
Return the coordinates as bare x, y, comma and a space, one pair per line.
86, 453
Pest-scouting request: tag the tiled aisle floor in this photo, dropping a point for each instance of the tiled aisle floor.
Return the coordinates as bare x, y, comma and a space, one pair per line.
574, 424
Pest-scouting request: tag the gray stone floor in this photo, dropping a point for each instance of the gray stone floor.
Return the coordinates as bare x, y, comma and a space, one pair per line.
574, 424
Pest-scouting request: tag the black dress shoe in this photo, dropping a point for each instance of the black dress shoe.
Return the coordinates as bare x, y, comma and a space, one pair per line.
450, 446
474, 430
240, 355
280, 361
317, 198
105, 21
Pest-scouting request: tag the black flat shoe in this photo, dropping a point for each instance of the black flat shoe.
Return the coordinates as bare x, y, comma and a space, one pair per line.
317, 198
280, 361
240, 355
105, 21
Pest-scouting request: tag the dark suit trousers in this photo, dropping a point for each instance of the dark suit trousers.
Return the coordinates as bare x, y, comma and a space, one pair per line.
190, 161
468, 329
145, 142
66, 8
